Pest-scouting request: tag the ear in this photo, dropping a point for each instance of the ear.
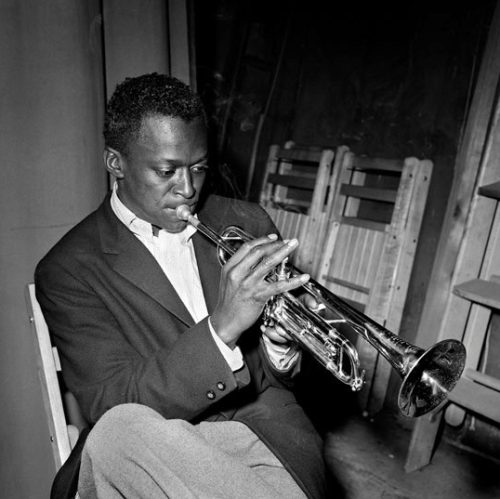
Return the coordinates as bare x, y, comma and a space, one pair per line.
113, 161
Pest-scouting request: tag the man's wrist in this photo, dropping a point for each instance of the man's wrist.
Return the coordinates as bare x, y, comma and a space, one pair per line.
233, 356
216, 330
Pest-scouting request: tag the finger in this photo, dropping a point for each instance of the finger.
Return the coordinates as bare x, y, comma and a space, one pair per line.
310, 302
276, 334
246, 248
258, 259
273, 256
279, 287
265, 290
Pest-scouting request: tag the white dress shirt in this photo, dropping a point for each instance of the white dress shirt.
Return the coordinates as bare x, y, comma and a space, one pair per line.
175, 254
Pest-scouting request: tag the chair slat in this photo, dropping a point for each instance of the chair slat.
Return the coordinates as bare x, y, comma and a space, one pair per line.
302, 182
362, 192
48, 366
381, 164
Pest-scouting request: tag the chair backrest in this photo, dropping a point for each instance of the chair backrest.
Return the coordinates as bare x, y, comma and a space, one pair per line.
371, 243
62, 435
296, 194
295, 177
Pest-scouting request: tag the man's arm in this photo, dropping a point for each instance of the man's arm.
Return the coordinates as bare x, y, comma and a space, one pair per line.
127, 348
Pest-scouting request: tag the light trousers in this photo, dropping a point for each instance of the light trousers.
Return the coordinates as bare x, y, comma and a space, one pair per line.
135, 453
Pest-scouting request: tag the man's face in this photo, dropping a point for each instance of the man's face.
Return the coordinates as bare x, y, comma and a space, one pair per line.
165, 167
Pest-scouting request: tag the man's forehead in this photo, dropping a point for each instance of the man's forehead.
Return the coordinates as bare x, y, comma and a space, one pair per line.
166, 119
161, 128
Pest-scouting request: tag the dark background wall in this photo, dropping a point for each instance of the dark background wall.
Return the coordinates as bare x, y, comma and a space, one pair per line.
386, 79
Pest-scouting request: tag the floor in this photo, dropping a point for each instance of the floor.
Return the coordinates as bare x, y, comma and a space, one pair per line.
367, 457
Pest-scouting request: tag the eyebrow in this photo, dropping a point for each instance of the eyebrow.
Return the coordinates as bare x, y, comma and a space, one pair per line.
179, 164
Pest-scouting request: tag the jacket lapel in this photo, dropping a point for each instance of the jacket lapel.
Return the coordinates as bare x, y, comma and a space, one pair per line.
213, 215
210, 269
131, 259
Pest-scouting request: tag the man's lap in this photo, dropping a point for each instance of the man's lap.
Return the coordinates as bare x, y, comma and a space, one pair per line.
134, 451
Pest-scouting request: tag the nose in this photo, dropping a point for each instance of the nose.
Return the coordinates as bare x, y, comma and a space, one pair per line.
184, 185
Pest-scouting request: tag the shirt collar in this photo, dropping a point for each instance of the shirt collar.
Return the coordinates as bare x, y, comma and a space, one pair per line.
138, 225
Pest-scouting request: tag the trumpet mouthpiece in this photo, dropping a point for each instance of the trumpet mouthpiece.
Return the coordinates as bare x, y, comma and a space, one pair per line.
183, 212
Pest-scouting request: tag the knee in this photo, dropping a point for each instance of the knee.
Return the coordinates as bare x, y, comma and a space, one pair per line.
124, 414
127, 427
113, 429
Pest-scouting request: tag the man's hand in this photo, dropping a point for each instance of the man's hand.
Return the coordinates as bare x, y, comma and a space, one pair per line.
244, 290
277, 334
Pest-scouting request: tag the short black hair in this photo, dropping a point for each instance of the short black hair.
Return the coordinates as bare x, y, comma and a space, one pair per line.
148, 95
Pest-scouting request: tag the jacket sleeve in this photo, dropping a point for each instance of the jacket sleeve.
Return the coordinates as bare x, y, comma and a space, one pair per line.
119, 347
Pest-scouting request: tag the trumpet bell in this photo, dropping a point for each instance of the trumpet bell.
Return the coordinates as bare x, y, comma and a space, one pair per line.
431, 378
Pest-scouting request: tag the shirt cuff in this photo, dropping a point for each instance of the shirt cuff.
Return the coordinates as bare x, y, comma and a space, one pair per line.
233, 357
283, 357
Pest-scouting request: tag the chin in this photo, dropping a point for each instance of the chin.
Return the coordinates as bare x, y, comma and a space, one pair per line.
174, 228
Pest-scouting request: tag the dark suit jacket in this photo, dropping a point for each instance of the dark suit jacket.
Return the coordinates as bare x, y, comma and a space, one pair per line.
124, 335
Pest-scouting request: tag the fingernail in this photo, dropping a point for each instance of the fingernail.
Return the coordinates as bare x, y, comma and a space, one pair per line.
293, 242
273, 236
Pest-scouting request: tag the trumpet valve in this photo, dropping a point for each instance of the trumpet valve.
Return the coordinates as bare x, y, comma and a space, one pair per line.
283, 273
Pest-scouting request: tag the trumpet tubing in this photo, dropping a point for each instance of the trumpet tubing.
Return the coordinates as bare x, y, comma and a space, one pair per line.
428, 376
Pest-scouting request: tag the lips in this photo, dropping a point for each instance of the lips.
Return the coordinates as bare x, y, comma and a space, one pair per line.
190, 206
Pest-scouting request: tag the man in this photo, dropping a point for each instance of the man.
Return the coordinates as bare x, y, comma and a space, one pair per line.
161, 346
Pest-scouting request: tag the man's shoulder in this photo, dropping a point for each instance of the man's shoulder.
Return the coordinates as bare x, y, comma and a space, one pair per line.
233, 211
83, 237
219, 212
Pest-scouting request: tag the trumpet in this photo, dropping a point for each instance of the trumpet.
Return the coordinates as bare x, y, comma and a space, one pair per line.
428, 376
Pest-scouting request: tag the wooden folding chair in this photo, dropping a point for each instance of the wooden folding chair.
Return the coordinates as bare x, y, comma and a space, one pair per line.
293, 175
296, 193
63, 436
373, 231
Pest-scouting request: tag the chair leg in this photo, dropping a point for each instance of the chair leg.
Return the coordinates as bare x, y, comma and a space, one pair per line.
423, 440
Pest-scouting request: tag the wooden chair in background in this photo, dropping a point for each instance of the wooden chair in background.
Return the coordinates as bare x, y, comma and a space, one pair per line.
296, 194
372, 235
358, 234
292, 176
63, 436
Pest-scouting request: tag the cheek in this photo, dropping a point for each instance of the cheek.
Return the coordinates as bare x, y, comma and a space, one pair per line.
198, 182
149, 194
161, 193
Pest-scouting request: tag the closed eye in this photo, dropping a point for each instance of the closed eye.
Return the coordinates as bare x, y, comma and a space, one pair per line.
196, 169
199, 168
165, 173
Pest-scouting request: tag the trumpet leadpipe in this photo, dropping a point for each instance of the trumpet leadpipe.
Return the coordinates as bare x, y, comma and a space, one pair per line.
184, 213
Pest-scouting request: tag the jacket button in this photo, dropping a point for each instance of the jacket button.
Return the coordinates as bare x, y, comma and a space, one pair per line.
210, 394
221, 386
